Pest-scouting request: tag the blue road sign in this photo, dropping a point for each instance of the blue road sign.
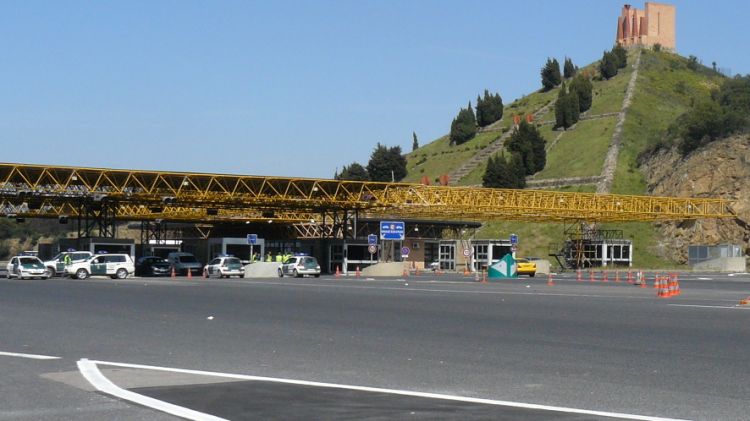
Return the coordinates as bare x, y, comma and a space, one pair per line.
513, 239
252, 238
392, 230
372, 240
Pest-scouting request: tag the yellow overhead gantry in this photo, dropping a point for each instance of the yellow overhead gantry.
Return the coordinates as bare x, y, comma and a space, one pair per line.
51, 191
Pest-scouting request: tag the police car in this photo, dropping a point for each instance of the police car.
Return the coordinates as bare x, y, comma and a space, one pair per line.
23, 267
115, 265
224, 267
299, 266
56, 265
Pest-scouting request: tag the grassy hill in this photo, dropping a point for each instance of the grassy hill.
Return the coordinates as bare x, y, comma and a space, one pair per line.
665, 88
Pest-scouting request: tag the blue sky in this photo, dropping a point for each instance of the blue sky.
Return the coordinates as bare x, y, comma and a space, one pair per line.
289, 88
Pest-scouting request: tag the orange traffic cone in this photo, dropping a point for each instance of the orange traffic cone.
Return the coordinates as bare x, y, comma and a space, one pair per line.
357, 273
630, 276
643, 278
550, 280
579, 275
406, 273
605, 278
476, 276
190, 273
338, 272
174, 275
744, 302
591, 276
657, 280
617, 276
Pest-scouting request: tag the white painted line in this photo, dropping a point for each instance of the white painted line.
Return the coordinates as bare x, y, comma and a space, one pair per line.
705, 279
91, 372
700, 306
390, 391
29, 356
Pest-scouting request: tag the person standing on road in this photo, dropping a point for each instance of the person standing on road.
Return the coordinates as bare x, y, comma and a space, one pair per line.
268, 257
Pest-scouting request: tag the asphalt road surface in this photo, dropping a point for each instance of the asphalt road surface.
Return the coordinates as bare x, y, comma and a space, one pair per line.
428, 347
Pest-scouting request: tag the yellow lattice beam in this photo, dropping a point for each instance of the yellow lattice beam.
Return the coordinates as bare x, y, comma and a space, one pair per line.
219, 197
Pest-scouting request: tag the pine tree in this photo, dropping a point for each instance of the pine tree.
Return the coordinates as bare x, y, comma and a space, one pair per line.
386, 164
569, 70
415, 142
551, 74
353, 172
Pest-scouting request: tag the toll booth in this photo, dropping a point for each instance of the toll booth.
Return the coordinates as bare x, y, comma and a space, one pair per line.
99, 245
486, 252
237, 247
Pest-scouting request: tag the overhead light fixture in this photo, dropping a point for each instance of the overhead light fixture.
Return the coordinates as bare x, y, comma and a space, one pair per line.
20, 219
63, 219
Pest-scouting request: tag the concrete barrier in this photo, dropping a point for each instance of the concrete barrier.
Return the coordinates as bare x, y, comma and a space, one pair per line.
384, 269
723, 264
262, 270
542, 266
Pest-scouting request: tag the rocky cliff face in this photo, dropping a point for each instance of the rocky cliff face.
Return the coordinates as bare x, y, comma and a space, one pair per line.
721, 169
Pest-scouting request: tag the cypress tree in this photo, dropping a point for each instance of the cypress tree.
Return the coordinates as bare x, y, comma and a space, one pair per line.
551, 74
569, 70
464, 126
621, 56
489, 109
517, 170
415, 142
498, 173
583, 88
608, 66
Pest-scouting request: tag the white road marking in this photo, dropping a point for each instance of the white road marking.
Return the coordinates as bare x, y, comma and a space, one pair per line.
91, 372
705, 279
381, 390
700, 306
29, 356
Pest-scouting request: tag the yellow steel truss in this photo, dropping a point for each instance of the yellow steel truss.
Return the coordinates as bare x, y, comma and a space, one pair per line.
44, 191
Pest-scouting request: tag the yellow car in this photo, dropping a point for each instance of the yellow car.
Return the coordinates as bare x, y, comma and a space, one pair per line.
526, 267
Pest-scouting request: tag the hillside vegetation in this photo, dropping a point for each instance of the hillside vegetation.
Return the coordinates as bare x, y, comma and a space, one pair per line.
666, 86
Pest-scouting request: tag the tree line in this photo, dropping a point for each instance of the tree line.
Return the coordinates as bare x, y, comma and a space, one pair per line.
527, 156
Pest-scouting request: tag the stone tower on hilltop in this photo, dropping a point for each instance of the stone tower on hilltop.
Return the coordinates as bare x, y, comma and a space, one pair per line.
655, 25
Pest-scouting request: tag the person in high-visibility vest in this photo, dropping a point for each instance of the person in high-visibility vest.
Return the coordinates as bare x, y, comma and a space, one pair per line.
67, 260
279, 258
268, 257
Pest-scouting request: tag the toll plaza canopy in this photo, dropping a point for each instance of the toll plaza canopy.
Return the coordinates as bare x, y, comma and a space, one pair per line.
53, 191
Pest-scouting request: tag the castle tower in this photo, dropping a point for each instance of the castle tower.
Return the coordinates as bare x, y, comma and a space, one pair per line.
654, 25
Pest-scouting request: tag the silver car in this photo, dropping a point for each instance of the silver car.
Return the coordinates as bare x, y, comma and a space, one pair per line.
299, 266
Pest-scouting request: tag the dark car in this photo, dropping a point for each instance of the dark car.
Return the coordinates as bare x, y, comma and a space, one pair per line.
152, 266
